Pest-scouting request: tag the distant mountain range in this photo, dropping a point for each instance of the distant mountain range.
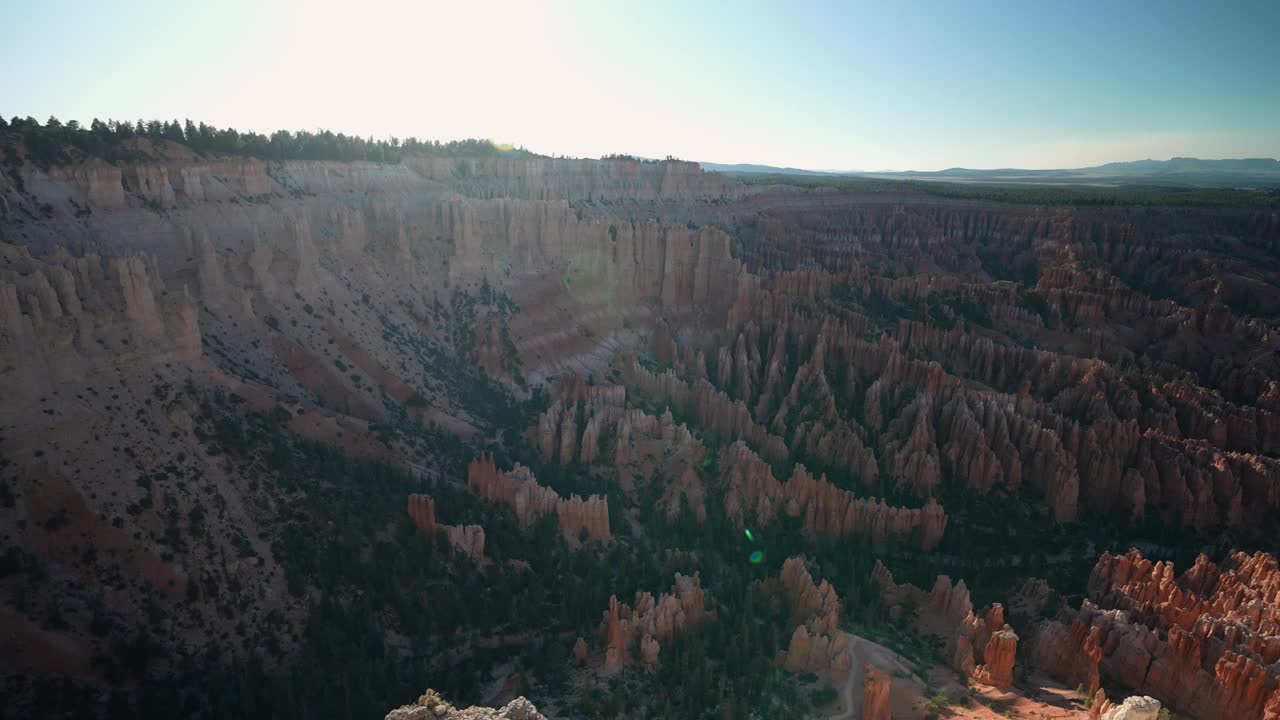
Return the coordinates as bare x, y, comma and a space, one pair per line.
1248, 172
747, 168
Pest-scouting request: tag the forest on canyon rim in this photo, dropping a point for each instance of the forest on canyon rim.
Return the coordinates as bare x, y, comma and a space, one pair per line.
302, 425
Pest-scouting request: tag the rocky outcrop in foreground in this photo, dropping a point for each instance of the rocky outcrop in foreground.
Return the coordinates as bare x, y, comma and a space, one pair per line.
430, 706
1138, 707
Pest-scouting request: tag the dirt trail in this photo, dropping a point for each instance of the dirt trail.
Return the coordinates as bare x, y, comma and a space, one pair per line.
905, 688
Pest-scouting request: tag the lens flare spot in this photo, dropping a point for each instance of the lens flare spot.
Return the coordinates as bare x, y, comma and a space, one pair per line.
750, 537
756, 557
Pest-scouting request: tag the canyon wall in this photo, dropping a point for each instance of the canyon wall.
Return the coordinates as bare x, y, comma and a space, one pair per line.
575, 180
64, 318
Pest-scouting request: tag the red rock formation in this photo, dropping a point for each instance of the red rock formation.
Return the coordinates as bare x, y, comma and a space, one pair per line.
911, 455
817, 652
650, 622
644, 446
1099, 706
467, 539
712, 410
981, 646
1073, 384
811, 604
422, 509
615, 635
816, 644
1272, 710
1205, 643
992, 622
687, 491
580, 650
649, 650
939, 612
1001, 651
1072, 655
754, 496
947, 606
1069, 425
875, 694
519, 490
1244, 590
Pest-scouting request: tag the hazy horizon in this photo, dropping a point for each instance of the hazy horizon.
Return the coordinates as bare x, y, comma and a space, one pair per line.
868, 88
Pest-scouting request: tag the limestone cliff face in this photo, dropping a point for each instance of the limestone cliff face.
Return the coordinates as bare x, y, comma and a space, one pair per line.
186, 180
574, 180
678, 269
65, 318
100, 184
245, 239
466, 539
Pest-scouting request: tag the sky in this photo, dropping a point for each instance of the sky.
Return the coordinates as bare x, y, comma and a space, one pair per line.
842, 85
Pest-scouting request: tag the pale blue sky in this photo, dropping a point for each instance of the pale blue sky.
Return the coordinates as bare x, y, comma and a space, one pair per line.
846, 85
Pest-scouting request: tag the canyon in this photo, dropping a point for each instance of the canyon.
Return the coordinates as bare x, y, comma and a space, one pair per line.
459, 405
